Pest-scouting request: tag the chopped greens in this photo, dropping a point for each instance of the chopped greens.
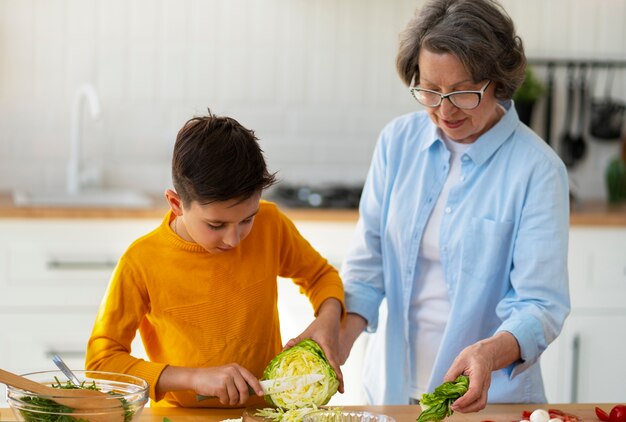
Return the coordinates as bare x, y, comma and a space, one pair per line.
436, 405
46, 410
281, 415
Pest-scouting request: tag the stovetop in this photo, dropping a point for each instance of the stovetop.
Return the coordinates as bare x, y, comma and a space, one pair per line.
337, 196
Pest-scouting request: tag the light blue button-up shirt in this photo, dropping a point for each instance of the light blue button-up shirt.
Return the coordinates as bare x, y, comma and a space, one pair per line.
503, 247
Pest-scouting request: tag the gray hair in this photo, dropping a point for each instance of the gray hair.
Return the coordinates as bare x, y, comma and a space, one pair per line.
478, 32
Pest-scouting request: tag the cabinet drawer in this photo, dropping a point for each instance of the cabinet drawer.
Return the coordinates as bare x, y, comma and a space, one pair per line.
42, 263
584, 364
597, 267
29, 339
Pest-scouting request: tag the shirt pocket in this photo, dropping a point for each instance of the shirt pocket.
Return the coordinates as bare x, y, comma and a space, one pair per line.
486, 248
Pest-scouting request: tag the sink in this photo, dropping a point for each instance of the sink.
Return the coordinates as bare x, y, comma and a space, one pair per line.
87, 198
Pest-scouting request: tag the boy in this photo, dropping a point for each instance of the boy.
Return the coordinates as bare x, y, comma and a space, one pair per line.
201, 288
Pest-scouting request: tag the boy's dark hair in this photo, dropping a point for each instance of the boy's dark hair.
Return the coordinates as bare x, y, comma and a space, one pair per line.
217, 159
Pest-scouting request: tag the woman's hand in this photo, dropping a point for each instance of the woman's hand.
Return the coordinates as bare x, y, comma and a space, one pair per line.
228, 383
478, 361
325, 331
351, 328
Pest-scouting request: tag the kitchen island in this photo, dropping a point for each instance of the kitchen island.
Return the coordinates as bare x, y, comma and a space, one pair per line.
493, 413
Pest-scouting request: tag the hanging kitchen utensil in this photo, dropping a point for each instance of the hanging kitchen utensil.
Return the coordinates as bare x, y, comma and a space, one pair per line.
607, 114
567, 136
578, 145
547, 128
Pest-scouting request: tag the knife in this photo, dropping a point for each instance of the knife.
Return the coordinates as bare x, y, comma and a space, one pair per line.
278, 385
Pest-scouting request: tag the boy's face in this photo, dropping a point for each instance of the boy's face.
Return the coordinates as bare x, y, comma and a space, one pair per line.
219, 226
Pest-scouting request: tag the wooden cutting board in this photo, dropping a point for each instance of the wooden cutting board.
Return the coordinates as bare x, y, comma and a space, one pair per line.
249, 414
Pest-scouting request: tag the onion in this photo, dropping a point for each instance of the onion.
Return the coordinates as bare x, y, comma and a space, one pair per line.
540, 415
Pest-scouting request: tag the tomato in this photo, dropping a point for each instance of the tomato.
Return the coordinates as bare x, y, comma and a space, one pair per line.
602, 415
526, 414
555, 413
618, 413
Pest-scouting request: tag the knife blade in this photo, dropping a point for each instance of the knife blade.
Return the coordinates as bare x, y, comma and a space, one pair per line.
279, 385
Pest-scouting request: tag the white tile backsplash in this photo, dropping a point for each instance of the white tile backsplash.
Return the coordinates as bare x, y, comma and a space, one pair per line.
316, 80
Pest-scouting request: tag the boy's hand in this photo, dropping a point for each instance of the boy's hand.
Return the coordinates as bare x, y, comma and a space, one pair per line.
325, 331
229, 383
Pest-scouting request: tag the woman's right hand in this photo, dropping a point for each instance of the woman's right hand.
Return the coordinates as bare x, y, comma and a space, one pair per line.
228, 383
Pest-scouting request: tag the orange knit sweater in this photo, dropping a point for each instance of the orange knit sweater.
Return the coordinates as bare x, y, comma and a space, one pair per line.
195, 309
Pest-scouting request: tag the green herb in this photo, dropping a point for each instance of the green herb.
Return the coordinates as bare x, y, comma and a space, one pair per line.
58, 412
436, 405
530, 90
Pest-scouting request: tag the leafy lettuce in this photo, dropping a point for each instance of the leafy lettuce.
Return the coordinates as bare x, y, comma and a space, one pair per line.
436, 405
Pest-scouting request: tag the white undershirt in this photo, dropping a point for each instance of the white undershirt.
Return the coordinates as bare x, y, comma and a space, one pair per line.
430, 304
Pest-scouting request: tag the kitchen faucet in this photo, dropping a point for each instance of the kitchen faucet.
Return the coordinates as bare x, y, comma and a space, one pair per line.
75, 194
85, 92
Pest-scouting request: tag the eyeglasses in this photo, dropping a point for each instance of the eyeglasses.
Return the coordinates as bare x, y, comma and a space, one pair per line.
466, 100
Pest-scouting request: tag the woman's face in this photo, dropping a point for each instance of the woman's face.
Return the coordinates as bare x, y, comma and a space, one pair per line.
444, 73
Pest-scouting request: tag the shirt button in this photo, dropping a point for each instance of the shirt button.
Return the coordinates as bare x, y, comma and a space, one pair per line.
448, 210
462, 178
465, 158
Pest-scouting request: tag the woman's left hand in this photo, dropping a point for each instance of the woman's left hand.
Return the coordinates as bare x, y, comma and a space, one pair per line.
325, 331
478, 361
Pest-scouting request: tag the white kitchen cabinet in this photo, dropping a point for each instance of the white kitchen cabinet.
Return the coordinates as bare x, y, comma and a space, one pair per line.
332, 240
53, 274
61, 263
585, 363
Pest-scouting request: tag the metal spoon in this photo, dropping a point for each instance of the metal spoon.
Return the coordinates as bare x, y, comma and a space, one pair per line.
66, 370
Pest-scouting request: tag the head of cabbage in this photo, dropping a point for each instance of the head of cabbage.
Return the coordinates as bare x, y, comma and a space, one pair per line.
306, 357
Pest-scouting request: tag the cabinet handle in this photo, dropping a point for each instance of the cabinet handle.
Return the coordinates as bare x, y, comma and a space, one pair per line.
575, 369
68, 354
77, 265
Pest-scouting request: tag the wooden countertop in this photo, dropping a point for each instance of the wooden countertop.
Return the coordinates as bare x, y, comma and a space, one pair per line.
408, 413
9, 210
598, 214
583, 214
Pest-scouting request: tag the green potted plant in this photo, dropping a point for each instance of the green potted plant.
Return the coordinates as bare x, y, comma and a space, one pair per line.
527, 95
615, 177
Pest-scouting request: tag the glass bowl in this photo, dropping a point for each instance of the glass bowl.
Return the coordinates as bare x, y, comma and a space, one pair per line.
31, 407
345, 416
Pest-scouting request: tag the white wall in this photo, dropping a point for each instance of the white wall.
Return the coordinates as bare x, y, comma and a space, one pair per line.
314, 78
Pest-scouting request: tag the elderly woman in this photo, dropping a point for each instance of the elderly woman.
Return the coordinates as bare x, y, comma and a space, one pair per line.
463, 224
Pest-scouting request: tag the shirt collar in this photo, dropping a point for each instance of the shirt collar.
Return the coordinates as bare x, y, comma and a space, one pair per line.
489, 142
432, 136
